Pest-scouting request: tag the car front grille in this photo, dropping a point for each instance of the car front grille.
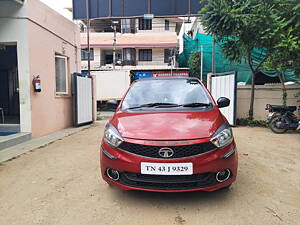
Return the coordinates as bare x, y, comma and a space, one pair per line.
179, 151
168, 182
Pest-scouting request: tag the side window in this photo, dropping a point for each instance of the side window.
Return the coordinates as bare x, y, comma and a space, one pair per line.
167, 25
128, 25
129, 56
167, 55
84, 54
145, 55
61, 74
145, 24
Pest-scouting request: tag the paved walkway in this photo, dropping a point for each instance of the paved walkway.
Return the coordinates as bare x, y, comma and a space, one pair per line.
15, 151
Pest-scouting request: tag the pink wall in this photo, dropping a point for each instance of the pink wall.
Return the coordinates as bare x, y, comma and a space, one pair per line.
50, 33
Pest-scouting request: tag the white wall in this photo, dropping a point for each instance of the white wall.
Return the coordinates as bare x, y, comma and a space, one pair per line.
264, 94
184, 29
104, 79
16, 31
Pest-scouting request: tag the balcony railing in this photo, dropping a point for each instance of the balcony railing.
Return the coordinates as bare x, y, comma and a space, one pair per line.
128, 63
129, 30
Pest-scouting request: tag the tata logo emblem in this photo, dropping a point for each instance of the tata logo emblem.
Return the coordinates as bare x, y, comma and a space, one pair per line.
166, 152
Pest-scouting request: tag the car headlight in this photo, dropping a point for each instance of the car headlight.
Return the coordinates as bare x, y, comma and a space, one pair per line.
112, 136
223, 136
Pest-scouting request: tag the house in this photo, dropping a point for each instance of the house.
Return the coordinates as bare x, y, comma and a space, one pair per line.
141, 44
36, 42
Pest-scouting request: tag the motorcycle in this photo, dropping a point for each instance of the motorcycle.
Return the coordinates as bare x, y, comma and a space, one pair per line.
282, 118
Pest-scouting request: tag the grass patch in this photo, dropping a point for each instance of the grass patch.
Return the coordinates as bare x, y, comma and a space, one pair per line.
100, 118
251, 123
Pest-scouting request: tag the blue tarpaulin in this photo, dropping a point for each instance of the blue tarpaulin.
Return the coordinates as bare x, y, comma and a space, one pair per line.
141, 75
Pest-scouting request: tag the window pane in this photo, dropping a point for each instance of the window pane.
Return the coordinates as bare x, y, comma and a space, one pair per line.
84, 54
128, 25
60, 74
167, 25
145, 55
167, 55
129, 56
149, 24
145, 24
92, 53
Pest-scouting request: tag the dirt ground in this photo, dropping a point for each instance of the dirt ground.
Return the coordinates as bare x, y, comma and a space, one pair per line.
60, 184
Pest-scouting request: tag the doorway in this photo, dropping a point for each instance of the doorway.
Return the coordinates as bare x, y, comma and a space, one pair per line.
9, 90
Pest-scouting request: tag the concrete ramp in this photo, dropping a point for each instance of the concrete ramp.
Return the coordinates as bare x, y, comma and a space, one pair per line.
9, 140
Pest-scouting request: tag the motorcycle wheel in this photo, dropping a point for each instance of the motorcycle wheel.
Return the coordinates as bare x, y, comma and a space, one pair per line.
276, 129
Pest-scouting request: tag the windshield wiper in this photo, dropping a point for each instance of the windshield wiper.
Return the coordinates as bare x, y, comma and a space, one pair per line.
156, 104
196, 104
170, 105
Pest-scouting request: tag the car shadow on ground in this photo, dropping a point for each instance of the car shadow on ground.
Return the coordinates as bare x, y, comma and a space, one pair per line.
175, 197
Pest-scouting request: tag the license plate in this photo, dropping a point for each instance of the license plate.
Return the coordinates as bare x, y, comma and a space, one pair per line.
167, 168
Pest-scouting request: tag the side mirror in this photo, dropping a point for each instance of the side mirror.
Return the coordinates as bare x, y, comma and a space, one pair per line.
223, 102
112, 104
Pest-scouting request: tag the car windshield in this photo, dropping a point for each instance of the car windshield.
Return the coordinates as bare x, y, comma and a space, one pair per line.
166, 93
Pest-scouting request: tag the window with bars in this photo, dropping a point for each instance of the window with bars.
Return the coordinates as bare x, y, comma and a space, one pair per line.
145, 24
167, 25
128, 25
167, 55
129, 56
145, 55
85, 55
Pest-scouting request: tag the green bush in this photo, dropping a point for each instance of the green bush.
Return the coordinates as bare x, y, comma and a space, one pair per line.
195, 64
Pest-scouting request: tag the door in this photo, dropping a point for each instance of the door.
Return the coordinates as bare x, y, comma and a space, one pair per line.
4, 91
225, 85
82, 99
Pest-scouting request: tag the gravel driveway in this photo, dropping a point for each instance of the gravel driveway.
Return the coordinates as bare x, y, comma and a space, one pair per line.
60, 184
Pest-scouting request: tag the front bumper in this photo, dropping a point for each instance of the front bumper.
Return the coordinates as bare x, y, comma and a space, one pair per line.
205, 167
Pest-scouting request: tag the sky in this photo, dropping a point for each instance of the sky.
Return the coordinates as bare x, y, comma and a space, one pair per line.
59, 5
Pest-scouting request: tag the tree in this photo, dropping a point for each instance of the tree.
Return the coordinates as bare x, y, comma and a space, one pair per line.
286, 49
286, 53
243, 27
195, 63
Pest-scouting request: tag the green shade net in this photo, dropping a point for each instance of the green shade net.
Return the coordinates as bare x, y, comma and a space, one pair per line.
222, 64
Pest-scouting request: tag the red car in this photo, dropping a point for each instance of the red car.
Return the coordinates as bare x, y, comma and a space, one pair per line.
168, 135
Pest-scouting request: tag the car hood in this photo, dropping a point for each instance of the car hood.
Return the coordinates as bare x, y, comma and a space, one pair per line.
168, 125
